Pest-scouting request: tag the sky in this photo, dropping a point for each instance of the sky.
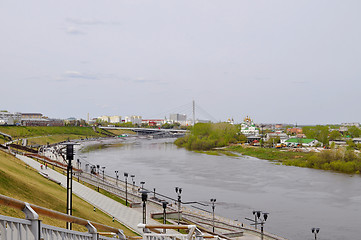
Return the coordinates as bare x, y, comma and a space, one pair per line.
277, 61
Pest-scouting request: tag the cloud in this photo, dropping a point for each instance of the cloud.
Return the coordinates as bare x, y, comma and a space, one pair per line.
74, 31
71, 75
90, 22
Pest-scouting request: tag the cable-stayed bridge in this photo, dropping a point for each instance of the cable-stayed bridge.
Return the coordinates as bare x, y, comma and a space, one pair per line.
155, 132
192, 111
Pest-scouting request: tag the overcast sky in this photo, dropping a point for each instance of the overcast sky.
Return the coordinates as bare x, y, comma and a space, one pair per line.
277, 61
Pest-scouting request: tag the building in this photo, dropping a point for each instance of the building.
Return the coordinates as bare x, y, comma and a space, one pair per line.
42, 122
305, 142
115, 119
230, 121
153, 122
104, 118
248, 128
283, 136
295, 130
344, 126
7, 118
133, 119
178, 118
26, 116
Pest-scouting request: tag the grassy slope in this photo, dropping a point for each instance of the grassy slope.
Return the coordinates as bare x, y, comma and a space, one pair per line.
120, 132
26, 184
43, 135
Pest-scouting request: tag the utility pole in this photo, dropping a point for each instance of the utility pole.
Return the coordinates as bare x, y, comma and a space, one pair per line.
194, 112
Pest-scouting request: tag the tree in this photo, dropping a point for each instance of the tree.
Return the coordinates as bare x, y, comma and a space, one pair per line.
318, 132
334, 135
354, 131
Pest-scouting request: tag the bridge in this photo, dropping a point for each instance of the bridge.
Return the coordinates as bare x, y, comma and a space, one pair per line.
152, 131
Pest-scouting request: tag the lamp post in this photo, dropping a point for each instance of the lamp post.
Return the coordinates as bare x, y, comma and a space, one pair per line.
178, 190
117, 176
126, 188
261, 217
256, 214
164, 204
142, 183
133, 176
213, 201
144, 199
69, 182
103, 173
79, 164
315, 231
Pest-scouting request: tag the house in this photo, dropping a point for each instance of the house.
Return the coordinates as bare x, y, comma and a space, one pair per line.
283, 136
305, 142
295, 130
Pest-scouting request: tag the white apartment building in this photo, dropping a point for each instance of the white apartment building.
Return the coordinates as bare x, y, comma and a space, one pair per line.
115, 119
133, 119
104, 118
7, 118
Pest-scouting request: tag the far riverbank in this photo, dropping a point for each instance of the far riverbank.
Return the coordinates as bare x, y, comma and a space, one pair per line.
340, 160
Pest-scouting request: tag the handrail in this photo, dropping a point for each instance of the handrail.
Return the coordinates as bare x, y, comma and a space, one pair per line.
20, 205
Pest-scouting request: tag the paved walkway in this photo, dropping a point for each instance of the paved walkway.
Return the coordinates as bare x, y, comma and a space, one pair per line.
127, 216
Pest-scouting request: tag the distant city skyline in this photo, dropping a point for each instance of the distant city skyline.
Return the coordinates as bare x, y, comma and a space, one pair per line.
275, 61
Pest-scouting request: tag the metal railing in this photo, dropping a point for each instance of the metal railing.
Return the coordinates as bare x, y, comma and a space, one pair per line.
31, 228
193, 232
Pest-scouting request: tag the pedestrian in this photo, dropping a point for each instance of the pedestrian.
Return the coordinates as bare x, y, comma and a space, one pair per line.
46, 166
41, 166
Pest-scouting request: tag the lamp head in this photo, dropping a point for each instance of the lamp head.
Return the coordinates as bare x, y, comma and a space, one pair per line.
265, 216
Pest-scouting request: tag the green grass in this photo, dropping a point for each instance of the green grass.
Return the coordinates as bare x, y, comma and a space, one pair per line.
269, 153
25, 184
340, 160
119, 132
44, 135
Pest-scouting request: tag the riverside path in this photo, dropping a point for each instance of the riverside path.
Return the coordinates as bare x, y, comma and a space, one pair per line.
125, 215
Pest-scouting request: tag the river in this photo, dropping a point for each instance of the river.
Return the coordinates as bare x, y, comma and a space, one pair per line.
297, 199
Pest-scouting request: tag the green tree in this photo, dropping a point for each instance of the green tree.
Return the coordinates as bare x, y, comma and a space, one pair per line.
318, 132
334, 135
354, 131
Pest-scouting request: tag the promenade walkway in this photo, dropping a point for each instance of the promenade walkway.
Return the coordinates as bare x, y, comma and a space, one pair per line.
128, 216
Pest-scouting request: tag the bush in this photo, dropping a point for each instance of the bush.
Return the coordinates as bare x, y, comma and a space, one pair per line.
205, 136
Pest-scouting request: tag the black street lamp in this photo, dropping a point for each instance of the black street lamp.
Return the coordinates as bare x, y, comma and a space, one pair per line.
133, 176
164, 204
315, 231
142, 183
144, 199
178, 190
79, 163
116, 174
103, 173
256, 214
213, 201
261, 217
126, 188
